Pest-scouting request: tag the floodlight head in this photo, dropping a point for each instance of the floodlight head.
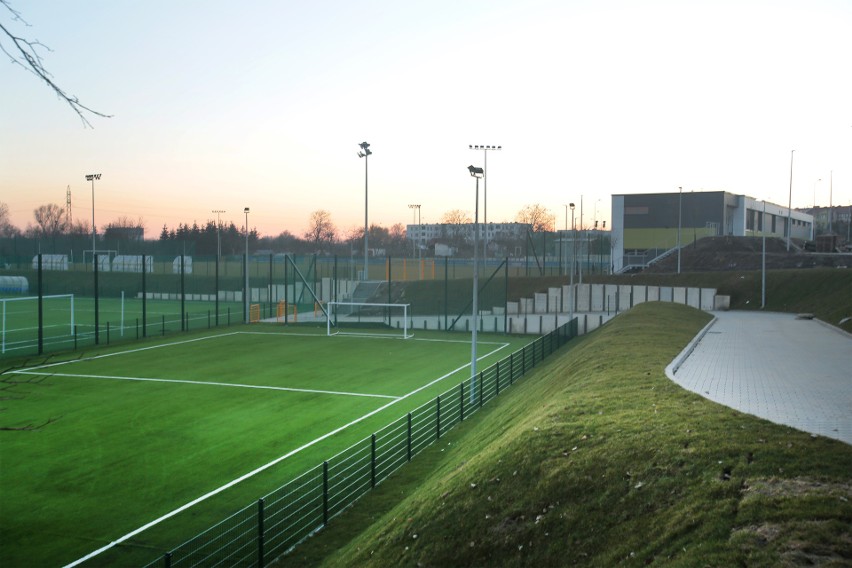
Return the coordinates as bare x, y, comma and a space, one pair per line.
364, 145
90, 177
246, 210
476, 172
365, 153
571, 205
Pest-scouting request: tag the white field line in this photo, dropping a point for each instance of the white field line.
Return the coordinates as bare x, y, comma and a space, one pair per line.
210, 383
124, 352
266, 466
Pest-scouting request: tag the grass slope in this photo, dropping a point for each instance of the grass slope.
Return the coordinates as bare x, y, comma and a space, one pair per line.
598, 459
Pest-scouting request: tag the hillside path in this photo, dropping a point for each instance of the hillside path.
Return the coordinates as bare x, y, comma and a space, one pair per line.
791, 371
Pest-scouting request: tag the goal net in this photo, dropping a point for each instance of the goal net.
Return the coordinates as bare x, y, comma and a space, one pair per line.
19, 321
357, 318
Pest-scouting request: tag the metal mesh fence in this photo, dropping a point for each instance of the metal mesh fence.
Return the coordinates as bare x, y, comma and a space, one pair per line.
263, 531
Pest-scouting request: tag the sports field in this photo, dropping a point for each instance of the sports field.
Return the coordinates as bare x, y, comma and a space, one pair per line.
96, 446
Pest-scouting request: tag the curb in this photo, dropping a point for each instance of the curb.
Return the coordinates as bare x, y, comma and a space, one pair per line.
672, 367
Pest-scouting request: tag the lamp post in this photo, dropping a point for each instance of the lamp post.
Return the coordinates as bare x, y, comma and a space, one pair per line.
813, 212
364, 153
763, 261
571, 269
417, 207
562, 239
92, 178
485, 149
679, 217
246, 211
477, 173
790, 204
218, 237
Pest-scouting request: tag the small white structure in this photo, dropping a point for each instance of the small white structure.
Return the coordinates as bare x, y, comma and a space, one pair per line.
51, 262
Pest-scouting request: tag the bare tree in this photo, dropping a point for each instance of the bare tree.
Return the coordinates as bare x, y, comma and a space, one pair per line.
321, 230
538, 216
7, 229
50, 219
456, 217
26, 53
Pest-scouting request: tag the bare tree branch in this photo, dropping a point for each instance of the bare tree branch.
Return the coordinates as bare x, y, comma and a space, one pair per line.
25, 53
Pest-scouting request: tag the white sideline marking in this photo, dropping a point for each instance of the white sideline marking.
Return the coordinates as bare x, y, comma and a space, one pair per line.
211, 383
123, 352
265, 466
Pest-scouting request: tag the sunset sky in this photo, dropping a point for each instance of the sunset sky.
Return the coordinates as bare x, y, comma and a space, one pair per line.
262, 104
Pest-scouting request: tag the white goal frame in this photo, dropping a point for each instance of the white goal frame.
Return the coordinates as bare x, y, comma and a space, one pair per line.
331, 313
4, 301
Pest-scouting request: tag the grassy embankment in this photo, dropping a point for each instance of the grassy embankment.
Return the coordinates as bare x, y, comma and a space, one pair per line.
598, 459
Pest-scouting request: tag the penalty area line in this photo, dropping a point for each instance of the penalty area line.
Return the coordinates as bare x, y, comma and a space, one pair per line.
266, 466
205, 383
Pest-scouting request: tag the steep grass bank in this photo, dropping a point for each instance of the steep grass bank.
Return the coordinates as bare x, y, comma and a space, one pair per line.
598, 459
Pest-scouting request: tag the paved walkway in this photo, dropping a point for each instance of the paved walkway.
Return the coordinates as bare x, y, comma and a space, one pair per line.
791, 371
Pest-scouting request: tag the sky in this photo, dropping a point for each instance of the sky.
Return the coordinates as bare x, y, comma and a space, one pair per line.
222, 105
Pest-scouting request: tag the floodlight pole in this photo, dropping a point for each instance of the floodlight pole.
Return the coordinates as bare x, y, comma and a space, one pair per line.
763, 261
417, 207
92, 178
248, 317
573, 251
679, 217
477, 173
218, 237
365, 153
485, 149
790, 204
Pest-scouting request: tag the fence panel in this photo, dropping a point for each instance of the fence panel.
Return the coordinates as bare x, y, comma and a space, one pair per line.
285, 517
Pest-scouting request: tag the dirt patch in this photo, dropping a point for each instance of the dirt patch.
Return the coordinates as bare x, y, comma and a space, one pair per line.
798, 487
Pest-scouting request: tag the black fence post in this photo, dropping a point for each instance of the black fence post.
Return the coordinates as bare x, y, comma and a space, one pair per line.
325, 493
438, 417
511, 369
107, 333
97, 322
144, 298
164, 324
167, 560
182, 294
216, 287
40, 309
481, 388
260, 533
409, 436
137, 328
497, 378
373, 461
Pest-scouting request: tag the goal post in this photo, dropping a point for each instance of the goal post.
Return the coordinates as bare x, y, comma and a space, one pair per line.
363, 318
17, 315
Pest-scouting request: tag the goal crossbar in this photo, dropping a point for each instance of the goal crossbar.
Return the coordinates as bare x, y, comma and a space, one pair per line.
333, 317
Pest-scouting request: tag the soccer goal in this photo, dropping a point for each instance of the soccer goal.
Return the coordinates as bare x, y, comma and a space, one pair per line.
357, 318
19, 320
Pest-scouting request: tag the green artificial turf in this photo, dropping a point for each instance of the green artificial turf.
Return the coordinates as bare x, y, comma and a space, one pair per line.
89, 455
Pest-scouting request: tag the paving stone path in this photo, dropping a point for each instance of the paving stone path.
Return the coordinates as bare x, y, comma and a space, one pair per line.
776, 366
